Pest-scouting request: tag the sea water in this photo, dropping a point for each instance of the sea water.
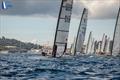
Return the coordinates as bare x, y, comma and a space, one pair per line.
27, 66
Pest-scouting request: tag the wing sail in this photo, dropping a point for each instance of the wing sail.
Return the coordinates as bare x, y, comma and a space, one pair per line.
116, 37
62, 29
81, 32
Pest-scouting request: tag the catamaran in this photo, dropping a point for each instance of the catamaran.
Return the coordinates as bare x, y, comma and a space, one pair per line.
116, 37
81, 33
62, 29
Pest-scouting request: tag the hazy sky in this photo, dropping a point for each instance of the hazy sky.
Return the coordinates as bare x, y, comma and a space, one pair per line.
35, 20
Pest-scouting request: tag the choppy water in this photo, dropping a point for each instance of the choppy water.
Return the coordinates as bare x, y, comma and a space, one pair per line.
35, 67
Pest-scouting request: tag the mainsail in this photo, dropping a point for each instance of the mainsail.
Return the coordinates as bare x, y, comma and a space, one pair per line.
107, 49
92, 46
72, 47
62, 29
81, 32
99, 47
89, 44
102, 43
105, 44
4, 5
116, 37
95, 46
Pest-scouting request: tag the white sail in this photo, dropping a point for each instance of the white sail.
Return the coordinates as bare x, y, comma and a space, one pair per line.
102, 43
72, 47
107, 49
4, 5
98, 47
62, 29
116, 37
95, 46
92, 46
89, 44
81, 32
105, 44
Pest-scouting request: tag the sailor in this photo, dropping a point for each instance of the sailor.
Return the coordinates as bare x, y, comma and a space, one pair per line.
65, 47
43, 52
54, 50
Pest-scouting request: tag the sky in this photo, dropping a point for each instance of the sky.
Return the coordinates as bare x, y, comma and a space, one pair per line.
35, 20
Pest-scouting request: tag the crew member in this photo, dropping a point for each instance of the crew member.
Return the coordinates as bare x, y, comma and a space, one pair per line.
54, 50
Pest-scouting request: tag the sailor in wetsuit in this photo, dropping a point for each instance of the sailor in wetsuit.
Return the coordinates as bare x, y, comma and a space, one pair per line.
54, 50
65, 47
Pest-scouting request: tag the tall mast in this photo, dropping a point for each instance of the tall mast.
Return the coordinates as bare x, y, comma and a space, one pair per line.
81, 32
62, 29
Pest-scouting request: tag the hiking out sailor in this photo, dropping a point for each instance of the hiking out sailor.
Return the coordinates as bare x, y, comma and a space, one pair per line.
54, 50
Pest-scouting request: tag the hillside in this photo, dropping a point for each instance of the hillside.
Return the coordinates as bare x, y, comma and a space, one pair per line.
13, 42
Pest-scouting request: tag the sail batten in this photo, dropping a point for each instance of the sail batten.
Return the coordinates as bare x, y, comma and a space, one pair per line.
62, 29
116, 36
81, 32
